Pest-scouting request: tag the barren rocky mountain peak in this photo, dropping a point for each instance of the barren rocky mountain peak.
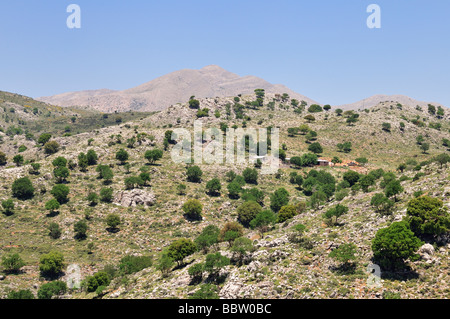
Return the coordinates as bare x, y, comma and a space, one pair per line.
209, 81
172, 88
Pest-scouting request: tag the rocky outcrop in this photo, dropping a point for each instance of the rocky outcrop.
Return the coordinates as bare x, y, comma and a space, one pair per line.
134, 198
272, 243
426, 252
235, 288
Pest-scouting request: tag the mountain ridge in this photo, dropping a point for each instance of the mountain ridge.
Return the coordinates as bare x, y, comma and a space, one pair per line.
379, 98
209, 81
175, 87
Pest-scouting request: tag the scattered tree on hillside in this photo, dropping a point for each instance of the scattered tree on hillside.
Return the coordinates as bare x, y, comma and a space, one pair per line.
193, 209
394, 244
122, 156
279, 199
213, 187
153, 155
427, 216
181, 249
22, 188
194, 174
51, 147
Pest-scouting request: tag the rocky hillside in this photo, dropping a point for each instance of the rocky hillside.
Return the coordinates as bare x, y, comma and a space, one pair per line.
290, 258
23, 116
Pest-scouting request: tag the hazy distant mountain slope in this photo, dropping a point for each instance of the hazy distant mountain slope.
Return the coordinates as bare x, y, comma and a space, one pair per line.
376, 99
21, 114
176, 87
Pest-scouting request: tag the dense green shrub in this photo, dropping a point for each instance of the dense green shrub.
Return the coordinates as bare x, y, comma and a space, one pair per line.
52, 205
250, 175
394, 244
315, 148
234, 190
61, 174
12, 263
92, 157
3, 159
206, 291
215, 262
230, 231
427, 216
194, 174
247, 212
122, 156
60, 192
263, 221
133, 264
315, 108
133, 182
54, 288
253, 194
319, 181
20, 295
80, 228
22, 188
279, 199
214, 186
106, 195
99, 279
208, 237
92, 198
83, 162
18, 160
54, 230
241, 247
193, 209
366, 181
59, 162
286, 212
113, 220
296, 179
51, 147
194, 104
105, 173
180, 249
351, 177
51, 264
44, 138
345, 253
393, 188
8, 207
153, 155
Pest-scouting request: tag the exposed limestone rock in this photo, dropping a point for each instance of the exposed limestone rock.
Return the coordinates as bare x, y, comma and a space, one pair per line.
274, 243
426, 251
134, 198
235, 288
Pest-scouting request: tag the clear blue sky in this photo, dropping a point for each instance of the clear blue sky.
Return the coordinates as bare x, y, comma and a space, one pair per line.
322, 49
